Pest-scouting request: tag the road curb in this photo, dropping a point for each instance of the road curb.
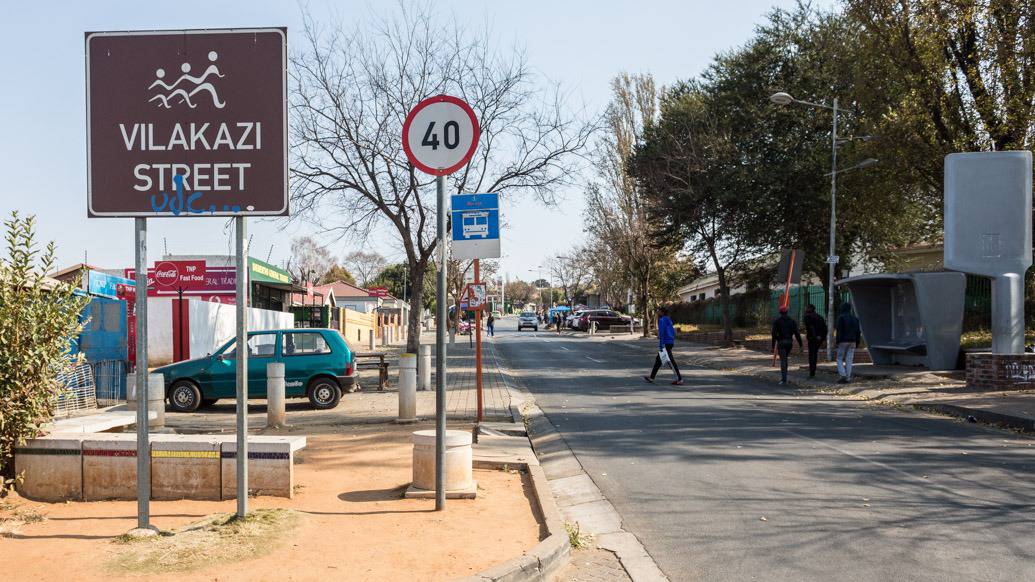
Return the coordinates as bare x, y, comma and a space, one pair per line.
548, 556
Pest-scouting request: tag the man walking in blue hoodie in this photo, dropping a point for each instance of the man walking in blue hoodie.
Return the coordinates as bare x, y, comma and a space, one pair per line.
666, 339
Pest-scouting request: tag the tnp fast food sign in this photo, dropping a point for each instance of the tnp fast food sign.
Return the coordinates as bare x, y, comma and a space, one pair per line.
187, 123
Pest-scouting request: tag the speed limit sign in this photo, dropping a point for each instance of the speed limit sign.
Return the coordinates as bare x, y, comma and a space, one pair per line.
440, 135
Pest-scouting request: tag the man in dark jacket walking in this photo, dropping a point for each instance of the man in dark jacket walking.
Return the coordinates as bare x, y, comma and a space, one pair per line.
847, 334
785, 331
815, 335
666, 339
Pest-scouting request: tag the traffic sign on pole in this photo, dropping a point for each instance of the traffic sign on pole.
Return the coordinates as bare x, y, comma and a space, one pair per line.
187, 123
439, 136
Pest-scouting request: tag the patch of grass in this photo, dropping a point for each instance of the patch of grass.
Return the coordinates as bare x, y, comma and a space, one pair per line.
12, 517
578, 539
221, 538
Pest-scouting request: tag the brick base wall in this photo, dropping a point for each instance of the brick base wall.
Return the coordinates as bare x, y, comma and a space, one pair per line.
1001, 371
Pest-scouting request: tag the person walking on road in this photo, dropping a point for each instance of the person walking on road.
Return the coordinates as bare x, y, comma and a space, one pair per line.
666, 339
848, 333
785, 331
490, 325
815, 335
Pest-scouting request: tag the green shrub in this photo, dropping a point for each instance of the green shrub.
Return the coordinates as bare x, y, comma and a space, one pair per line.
39, 320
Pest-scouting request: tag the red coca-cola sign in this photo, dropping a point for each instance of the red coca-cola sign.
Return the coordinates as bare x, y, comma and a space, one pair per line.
179, 275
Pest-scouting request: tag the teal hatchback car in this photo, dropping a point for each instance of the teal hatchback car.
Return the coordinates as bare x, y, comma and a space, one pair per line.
318, 365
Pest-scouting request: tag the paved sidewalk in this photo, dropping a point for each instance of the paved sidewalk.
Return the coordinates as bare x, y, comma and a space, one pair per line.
942, 392
461, 386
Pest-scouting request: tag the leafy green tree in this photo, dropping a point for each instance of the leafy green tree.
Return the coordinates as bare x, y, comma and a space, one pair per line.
39, 318
337, 273
395, 278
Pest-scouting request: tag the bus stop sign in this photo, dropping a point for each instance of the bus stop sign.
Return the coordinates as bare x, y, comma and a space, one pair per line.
476, 226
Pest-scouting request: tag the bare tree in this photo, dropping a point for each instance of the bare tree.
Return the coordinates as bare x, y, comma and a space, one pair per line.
309, 260
351, 92
616, 211
366, 265
571, 273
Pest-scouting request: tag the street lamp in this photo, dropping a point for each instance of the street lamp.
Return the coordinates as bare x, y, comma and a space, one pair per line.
782, 98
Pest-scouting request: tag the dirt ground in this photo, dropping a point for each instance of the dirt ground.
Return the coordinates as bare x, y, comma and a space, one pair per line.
355, 524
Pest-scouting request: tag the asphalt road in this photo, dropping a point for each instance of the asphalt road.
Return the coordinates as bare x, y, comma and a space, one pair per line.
733, 478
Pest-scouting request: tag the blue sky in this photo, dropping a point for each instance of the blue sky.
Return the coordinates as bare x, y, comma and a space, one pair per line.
581, 44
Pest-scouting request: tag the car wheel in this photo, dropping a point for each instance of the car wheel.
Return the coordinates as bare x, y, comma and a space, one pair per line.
535, 328
184, 396
324, 394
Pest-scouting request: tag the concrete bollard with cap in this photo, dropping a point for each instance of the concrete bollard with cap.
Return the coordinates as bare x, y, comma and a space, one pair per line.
155, 398
407, 388
425, 368
275, 408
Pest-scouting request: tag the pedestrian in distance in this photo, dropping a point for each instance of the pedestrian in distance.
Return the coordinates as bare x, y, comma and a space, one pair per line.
848, 333
666, 339
490, 325
785, 331
815, 335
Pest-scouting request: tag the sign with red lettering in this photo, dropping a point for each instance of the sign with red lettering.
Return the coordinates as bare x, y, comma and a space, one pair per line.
179, 275
378, 291
187, 123
217, 281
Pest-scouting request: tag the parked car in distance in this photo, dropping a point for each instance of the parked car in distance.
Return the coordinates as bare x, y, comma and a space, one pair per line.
604, 319
528, 319
318, 365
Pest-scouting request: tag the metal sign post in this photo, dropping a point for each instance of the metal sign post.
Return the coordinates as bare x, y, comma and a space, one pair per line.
440, 349
143, 444
242, 365
478, 343
439, 137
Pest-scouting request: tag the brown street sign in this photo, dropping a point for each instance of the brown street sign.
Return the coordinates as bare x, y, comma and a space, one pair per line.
187, 122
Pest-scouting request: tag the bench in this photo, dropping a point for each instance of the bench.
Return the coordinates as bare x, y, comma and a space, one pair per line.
903, 348
90, 467
377, 362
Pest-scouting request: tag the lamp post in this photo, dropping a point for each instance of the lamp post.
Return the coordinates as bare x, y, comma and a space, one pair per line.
783, 98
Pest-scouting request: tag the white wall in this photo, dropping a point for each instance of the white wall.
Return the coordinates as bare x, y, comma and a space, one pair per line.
159, 331
211, 325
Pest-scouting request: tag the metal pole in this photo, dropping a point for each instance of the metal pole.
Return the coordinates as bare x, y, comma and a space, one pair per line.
440, 350
143, 444
478, 342
833, 227
242, 366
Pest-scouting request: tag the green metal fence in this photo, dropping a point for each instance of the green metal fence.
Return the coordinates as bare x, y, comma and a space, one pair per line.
757, 308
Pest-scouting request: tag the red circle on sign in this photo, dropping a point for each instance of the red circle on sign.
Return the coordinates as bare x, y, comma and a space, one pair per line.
167, 275
470, 151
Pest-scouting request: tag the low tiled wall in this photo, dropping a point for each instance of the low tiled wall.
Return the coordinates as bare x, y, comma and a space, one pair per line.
1000, 371
101, 466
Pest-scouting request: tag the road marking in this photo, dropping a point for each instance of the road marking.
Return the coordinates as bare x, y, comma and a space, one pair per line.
595, 360
564, 348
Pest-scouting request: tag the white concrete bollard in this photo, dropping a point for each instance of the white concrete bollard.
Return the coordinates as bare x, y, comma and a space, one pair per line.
592, 328
155, 399
371, 341
275, 409
384, 335
458, 464
425, 368
407, 388
452, 336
